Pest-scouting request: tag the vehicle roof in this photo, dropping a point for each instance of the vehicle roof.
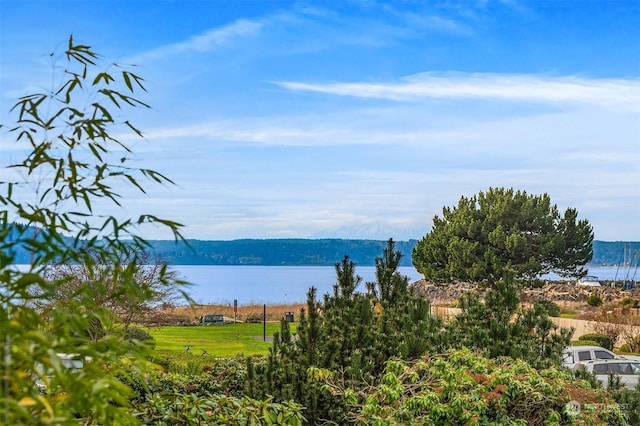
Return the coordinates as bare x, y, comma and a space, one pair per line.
587, 347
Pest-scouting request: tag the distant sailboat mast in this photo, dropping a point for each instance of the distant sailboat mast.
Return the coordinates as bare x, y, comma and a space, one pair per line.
623, 262
635, 271
629, 261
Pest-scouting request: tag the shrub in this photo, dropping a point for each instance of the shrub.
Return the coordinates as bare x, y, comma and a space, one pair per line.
594, 300
133, 334
601, 340
465, 388
496, 322
633, 344
581, 373
552, 308
584, 343
629, 401
190, 409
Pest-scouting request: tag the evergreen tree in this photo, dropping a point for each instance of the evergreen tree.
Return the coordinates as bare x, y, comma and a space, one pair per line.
350, 334
504, 230
496, 324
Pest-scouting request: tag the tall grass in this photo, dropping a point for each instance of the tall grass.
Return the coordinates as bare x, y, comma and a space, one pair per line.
245, 313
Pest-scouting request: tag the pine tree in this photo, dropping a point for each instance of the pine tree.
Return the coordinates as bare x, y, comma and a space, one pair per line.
495, 323
351, 335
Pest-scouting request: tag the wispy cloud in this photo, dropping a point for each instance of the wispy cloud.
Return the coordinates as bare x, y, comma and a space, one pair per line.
505, 87
207, 41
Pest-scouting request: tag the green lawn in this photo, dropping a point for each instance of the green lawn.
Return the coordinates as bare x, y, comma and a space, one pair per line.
217, 340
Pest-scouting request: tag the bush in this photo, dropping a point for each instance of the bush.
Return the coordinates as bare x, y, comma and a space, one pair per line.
584, 343
627, 302
633, 344
463, 387
600, 339
552, 308
581, 373
190, 409
629, 401
350, 332
594, 300
132, 334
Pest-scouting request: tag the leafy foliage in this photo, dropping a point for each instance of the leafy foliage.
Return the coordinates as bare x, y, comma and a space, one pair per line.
601, 340
213, 394
224, 376
594, 300
54, 208
463, 388
504, 230
188, 409
629, 401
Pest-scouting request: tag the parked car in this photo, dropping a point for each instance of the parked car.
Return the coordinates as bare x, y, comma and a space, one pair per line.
572, 356
73, 362
628, 371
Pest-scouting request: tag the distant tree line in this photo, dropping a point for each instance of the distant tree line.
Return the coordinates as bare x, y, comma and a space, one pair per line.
319, 252
274, 252
621, 253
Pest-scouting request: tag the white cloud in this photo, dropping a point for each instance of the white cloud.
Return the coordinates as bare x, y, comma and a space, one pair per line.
505, 87
205, 42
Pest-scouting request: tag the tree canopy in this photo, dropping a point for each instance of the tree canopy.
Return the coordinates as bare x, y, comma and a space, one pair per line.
503, 230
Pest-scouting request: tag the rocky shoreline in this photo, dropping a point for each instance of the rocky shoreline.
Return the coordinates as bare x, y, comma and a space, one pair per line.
558, 291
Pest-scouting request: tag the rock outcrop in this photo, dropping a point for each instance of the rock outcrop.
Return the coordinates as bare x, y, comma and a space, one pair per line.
554, 291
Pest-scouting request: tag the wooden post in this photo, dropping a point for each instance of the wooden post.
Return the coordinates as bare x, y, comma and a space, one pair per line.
264, 323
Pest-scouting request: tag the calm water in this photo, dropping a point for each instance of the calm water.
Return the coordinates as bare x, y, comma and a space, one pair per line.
289, 284
267, 284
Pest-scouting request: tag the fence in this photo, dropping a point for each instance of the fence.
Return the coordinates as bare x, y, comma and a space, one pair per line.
580, 327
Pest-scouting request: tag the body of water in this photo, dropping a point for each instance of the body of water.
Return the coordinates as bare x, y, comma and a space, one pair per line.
289, 284
267, 284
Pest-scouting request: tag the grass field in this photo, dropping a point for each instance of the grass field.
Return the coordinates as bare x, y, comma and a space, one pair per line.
222, 341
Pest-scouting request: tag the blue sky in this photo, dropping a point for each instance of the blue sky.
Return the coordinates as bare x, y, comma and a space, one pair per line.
358, 119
